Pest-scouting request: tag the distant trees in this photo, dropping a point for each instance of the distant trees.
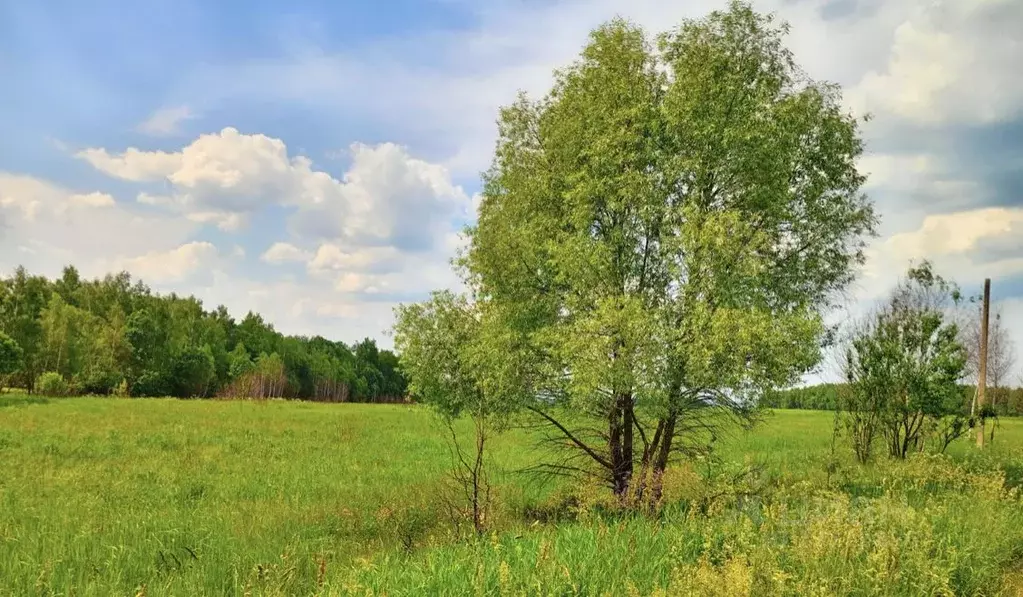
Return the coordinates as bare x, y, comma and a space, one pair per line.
657, 238
101, 335
816, 397
10, 356
903, 366
1001, 353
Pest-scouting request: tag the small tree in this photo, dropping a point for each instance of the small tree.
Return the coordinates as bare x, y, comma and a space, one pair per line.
858, 412
903, 367
453, 360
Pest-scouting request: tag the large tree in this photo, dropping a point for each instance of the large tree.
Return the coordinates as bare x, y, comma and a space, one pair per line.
659, 235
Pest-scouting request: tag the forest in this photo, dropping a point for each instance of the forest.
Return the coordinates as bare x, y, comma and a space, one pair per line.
72, 336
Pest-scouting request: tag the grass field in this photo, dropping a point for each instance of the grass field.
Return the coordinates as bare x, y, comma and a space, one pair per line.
171, 497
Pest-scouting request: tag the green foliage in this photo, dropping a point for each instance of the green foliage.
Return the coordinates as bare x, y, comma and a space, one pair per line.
52, 383
454, 360
817, 397
151, 384
11, 355
22, 300
239, 361
659, 234
100, 333
904, 365
98, 380
194, 372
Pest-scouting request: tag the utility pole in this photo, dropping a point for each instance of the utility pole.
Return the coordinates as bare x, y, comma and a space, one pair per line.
982, 374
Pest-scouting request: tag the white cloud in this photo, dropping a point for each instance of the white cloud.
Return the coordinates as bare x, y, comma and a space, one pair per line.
226, 221
950, 61
148, 199
165, 121
386, 196
174, 265
965, 246
333, 258
284, 252
133, 164
38, 218
957, 233
94, 199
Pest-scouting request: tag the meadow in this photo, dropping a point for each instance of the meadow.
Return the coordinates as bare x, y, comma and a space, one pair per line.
108, 496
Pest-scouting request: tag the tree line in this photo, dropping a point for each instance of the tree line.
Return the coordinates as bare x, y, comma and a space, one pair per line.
115, 335
1005, 401
900, 341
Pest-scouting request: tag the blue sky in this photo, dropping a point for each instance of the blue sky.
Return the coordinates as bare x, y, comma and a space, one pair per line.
314, 161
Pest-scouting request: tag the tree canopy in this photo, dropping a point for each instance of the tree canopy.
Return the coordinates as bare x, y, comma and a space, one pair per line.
99, 335
659, 235
904, 365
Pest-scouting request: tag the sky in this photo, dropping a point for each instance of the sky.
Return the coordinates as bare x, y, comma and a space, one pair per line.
317, 161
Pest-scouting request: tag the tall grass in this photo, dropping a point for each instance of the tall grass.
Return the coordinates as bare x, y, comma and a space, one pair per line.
168, 497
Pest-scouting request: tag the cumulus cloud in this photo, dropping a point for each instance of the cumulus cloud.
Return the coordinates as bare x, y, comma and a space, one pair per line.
386, 196
174, 265
226, 221
950, 61
958, 233
94, 199
133, 164
48, 226
284, 252
330, 257
165, 121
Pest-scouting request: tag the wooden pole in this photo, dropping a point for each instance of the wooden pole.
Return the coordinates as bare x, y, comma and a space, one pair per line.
982, 374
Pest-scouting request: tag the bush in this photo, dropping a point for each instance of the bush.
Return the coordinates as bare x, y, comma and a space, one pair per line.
151, 383
10, 355
98, 381
52, 383
194, 372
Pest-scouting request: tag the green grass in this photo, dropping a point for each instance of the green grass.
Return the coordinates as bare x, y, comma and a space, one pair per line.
170, 497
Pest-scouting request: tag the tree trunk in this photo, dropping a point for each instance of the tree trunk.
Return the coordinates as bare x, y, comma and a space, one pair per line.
628, 428
619, 484
661, 459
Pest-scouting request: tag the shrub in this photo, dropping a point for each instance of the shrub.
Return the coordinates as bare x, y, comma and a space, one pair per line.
151, 383
52, 383
194, 371
10, 355
98, 381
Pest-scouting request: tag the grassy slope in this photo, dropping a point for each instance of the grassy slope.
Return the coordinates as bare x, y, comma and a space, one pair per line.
104, 496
